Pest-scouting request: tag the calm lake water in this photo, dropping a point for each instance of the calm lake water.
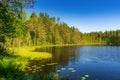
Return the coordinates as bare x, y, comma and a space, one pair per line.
99, 62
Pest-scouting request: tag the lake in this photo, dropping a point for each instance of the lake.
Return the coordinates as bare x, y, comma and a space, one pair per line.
94, 62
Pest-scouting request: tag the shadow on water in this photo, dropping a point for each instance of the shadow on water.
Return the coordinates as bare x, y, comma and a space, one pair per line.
67, 63
99, 62
61, 56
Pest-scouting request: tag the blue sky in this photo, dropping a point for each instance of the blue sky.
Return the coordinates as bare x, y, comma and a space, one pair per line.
86, 15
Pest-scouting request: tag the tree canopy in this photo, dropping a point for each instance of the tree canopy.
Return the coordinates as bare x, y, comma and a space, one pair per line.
18, 30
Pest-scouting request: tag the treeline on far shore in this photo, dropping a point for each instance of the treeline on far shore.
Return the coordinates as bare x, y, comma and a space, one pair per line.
44, 30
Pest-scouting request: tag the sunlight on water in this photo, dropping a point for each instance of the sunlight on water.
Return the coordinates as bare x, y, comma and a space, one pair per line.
81, 63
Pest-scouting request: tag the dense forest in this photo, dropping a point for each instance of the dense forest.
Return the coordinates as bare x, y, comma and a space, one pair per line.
44, 29
17, 29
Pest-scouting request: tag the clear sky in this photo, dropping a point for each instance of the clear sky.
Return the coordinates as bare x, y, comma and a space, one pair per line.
86, 15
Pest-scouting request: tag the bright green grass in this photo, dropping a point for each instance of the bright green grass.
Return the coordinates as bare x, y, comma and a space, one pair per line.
29, 52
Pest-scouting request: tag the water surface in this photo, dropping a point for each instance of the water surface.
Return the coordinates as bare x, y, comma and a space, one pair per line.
99, 62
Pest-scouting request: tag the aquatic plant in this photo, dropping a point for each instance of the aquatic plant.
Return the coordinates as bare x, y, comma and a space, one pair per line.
70, 68
63, 68
41, 70
73, 71
50, 64
42, 65
58, 70
86, 75
83, 78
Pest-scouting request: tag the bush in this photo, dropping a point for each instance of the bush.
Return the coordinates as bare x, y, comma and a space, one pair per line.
3, 51
12, 67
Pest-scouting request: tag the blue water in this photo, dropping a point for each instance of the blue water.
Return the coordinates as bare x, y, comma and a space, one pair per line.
99, 62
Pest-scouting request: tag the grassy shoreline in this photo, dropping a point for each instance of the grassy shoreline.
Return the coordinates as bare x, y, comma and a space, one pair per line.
82, 44
12, 66
16, 63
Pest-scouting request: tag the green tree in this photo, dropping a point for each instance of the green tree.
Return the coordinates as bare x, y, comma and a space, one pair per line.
33, 27
10, 17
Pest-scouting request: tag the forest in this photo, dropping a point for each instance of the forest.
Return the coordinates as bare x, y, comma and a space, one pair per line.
46, 30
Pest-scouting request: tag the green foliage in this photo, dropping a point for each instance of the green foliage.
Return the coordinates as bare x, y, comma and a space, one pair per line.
49, 30
11, 20
2, 39
12, 67
3, 51
54, 76
7, 20
16, 30
108, 37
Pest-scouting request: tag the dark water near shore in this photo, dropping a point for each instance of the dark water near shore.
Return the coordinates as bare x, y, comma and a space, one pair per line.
99, 62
